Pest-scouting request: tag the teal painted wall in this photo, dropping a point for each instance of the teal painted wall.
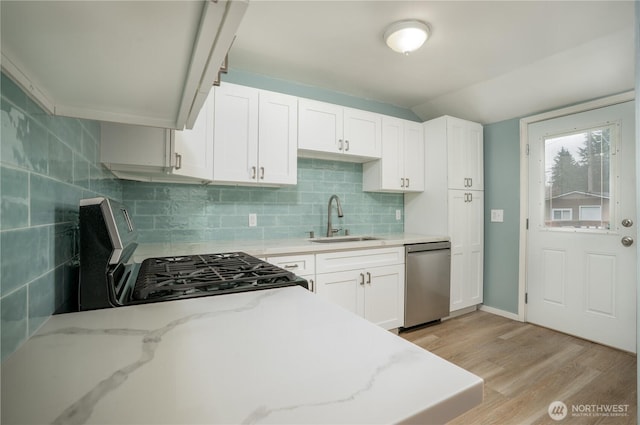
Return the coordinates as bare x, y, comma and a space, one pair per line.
502, 191
180, 213
47, 164
245, 78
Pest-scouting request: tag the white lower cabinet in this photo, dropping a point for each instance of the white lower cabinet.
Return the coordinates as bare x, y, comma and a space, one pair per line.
368, 282
302, 265
466, 225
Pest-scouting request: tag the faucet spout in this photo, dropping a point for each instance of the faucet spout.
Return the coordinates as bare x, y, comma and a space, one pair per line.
330, 229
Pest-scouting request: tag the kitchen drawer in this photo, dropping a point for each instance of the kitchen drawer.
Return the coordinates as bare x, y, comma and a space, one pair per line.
358, 259
301, 265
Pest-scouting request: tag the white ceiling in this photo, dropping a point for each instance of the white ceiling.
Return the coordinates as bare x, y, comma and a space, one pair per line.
485, 60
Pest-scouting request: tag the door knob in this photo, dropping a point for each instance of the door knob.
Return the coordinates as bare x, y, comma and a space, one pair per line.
627, 222
627, 241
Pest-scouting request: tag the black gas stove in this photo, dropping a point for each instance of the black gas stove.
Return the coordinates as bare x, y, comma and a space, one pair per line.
108, 279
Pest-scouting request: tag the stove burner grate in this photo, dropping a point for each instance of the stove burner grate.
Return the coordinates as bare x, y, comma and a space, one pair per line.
193, 275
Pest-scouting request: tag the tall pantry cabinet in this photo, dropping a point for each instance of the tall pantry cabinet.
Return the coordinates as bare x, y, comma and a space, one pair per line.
453, 202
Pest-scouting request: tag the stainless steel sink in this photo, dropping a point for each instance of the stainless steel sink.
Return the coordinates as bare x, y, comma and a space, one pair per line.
337, 239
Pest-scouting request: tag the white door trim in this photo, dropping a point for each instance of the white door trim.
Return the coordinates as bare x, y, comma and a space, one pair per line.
524, 178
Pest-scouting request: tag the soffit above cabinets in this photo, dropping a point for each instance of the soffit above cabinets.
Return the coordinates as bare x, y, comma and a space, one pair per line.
137, 62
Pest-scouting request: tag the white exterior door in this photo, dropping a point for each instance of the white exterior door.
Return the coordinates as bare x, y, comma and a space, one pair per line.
581, 279
278, 137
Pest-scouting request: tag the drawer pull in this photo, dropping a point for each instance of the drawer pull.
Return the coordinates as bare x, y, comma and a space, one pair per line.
290, 266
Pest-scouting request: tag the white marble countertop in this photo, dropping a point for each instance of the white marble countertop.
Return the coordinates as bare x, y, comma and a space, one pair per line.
275, 356
276, 247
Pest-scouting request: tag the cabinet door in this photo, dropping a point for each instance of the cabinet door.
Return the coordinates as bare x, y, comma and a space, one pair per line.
235, 135
195, 147
413, 156
136, 145
343, 288
465, 155
475, 248
475, 156
277, 138
456, 155
466, 228
392, 162
384, 296
319, 126
457, 232
362, 133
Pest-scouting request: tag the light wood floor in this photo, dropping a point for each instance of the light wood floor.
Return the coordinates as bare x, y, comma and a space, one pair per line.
526, 367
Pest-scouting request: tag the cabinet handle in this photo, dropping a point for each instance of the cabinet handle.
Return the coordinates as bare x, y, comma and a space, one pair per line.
290, 266
178, 161
346, 142
466, 197
253, 173
312, 285
261, 173
471, 197
407, 182
341, 144
470, 182
369, 278
361, 278
402, 182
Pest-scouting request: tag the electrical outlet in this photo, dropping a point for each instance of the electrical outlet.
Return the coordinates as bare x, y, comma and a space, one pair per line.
497, 216
253, 220
398, 214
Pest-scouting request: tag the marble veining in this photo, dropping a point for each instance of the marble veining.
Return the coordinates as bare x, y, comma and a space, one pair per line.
403, 357
80, 411
283, 356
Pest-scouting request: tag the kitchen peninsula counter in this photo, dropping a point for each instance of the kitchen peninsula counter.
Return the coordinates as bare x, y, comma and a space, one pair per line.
275, 247
273, 356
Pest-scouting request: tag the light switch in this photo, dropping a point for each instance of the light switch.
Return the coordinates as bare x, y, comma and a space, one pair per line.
497, 216
253, 220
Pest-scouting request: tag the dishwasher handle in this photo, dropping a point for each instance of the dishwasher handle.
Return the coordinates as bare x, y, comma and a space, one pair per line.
433, 246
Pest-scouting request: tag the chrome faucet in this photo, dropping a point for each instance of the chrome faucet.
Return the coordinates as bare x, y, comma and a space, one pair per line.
330, 229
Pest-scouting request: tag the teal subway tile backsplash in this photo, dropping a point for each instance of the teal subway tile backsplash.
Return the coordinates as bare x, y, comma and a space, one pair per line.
182, 213
47, 164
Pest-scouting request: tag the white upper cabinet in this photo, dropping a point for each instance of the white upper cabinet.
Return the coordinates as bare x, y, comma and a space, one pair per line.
235, 134
254, 140
401, 168
330, 131
278, 138
465, 154
154, 154
149, 63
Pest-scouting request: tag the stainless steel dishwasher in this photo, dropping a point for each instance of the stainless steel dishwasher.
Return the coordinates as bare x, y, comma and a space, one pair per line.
427, 286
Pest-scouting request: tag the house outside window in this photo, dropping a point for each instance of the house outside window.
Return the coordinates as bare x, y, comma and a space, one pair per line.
590, 212
562, 214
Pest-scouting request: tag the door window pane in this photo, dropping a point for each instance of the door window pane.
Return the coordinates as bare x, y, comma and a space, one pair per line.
578, 179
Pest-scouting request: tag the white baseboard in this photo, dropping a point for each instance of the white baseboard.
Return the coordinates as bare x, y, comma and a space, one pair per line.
498, 312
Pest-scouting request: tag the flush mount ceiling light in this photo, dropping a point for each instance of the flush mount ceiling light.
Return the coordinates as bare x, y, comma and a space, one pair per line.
406, 36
